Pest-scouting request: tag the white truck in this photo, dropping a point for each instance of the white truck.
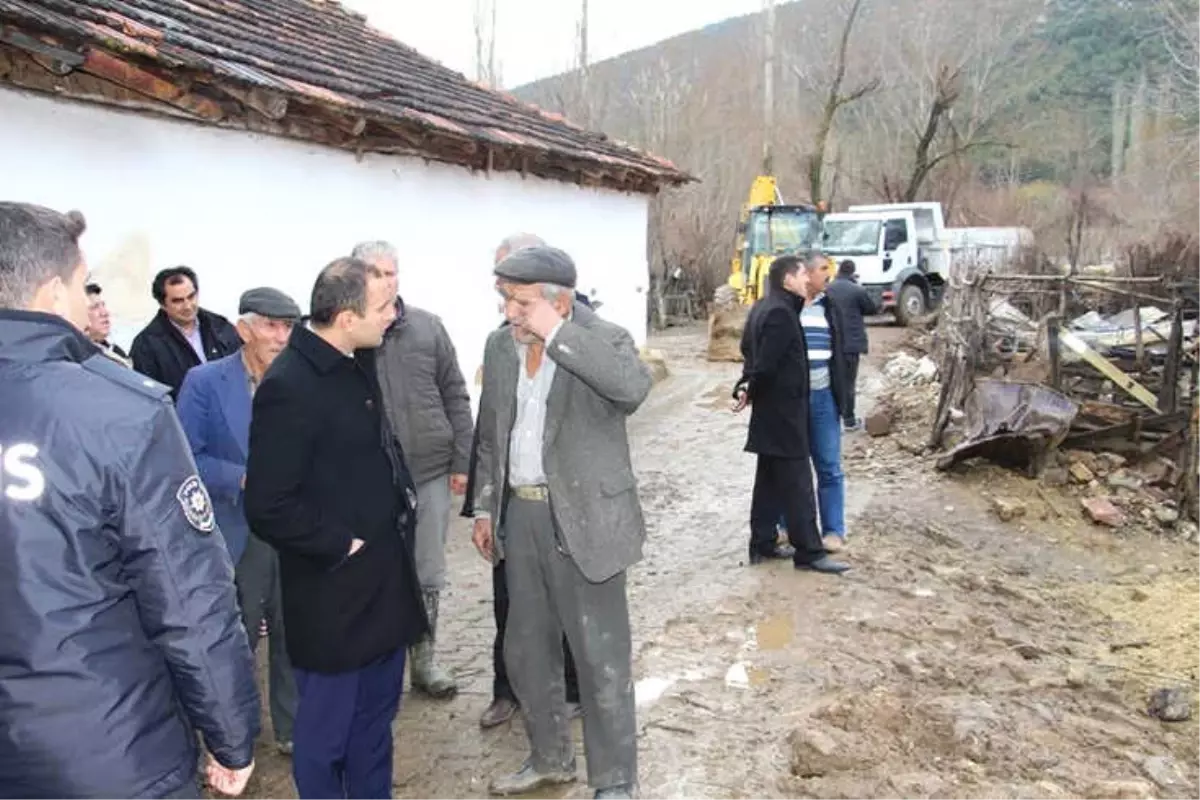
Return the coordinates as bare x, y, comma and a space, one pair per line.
902, 251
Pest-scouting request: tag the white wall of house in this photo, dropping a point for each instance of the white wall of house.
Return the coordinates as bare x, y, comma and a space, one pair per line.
245, 210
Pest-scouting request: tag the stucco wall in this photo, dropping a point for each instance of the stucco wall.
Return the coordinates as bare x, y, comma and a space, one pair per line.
246, 210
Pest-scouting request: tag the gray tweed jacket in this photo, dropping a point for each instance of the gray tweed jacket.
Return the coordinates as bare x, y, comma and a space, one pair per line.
599, 381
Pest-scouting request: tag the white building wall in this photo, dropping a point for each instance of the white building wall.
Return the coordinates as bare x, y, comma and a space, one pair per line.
245, 210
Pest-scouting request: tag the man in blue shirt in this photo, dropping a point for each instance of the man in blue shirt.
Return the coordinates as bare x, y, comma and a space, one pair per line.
820, 321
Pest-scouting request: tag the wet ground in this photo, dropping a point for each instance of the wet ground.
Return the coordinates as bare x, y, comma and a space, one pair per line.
962, 657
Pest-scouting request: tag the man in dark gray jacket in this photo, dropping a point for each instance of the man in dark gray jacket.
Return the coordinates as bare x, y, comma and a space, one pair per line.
429, 411
853, 303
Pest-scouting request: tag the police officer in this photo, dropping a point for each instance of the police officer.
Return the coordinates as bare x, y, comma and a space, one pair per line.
119, 628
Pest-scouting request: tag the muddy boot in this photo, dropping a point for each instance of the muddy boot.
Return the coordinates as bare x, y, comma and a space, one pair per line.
427, 675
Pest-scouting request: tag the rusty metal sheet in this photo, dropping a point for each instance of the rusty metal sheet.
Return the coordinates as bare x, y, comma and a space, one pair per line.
1012, 424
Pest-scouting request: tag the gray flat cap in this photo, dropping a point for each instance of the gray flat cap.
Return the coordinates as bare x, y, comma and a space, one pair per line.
268, 302
538, 265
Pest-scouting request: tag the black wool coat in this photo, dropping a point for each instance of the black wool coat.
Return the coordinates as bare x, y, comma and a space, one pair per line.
776, 378
324, 469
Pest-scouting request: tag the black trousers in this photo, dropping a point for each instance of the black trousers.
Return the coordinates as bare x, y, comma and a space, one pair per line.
501, 688
848, 414
783, 486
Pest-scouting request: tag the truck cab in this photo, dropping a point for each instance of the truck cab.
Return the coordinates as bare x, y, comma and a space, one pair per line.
898, 253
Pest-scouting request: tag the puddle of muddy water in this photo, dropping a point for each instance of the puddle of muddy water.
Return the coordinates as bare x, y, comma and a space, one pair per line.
775, 633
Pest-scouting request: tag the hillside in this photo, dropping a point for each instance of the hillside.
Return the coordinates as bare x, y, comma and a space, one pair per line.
1004, 110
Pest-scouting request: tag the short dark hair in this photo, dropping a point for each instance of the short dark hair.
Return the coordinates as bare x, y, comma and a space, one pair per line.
171, 276
341, 286
92, 289
846, 269
780, 269
37, 244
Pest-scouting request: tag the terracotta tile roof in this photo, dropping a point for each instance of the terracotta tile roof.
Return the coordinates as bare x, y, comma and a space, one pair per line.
315, 70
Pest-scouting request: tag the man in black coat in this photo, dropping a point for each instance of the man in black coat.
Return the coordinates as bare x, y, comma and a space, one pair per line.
181, 335
853, 303
327, 486
121, 632
775, 385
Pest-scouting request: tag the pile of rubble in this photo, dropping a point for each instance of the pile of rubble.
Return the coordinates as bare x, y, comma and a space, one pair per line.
1117, 494
906, 406
1107, 488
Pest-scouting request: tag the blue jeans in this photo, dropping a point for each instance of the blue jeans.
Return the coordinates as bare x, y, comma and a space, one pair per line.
825, 447
825, 444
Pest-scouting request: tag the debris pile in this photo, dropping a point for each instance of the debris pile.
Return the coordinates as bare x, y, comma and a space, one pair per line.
1116, 493
1028, 382
909, 371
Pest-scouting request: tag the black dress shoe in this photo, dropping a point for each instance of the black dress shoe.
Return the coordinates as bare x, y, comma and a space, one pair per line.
824, 564
779, 551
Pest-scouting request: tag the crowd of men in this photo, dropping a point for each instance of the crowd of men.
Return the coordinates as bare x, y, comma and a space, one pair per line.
291, 477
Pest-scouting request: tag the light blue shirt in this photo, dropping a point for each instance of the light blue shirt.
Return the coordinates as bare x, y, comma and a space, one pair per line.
195, 340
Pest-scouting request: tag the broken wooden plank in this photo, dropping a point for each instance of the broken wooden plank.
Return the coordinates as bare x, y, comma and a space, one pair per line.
1132, 429
1120, 379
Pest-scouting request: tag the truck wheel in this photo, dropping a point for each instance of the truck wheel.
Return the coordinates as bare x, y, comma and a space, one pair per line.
911, 304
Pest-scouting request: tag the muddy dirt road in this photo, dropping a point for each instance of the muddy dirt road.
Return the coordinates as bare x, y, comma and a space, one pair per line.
962, 656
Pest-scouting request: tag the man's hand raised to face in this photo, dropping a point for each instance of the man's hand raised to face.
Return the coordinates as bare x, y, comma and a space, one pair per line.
539, 316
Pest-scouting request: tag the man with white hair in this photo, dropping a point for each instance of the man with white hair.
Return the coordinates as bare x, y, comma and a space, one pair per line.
429, 411
214, 407
556, 499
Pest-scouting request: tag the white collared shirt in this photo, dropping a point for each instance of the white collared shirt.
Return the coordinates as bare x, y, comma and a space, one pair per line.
525, 442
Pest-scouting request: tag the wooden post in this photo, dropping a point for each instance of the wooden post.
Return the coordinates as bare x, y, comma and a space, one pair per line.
1055, 350
1168, 394
1139, 345
768, 160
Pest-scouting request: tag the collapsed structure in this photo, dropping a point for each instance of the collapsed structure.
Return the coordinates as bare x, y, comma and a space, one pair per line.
1031, 366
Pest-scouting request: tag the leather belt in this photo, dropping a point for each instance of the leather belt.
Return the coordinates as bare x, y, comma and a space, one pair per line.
537, 494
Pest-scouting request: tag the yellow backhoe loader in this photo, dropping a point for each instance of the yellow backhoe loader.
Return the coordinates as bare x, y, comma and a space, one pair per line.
766, 228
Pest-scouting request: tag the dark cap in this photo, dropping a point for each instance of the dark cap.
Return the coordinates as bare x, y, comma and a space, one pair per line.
268, 302
538, 265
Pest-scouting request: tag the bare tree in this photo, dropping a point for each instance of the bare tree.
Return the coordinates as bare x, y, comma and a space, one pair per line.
485, 43
835, 100
945, 93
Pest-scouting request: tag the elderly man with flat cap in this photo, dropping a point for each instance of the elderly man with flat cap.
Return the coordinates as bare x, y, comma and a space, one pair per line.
214, 408
556, 499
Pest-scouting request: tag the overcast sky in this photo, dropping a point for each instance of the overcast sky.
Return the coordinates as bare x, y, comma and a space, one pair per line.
537, 38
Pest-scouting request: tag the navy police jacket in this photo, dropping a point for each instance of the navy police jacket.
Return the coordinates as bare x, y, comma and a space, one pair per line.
119, 628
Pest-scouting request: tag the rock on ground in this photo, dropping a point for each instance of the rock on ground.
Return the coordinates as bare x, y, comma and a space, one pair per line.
879, 422
1102, 511
815, 752
1170, 705
1008, 509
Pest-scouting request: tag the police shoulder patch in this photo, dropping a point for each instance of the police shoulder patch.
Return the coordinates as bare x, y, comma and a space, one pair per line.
197, 507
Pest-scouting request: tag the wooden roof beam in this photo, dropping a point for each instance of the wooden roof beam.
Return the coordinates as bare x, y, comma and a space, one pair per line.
271, 105
105, 65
